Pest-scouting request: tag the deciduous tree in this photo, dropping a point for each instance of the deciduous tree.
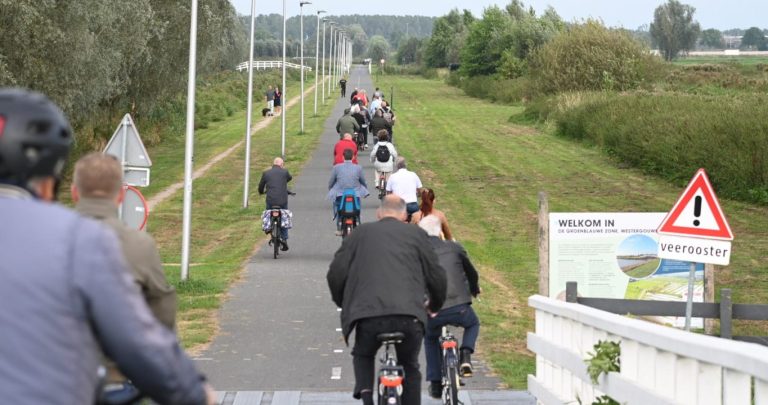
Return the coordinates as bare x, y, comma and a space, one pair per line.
673, 28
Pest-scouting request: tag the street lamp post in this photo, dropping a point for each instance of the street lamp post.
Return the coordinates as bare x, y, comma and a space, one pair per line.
249, 112
301, 59
189, 145
284, 99
330, 57
317, 56
323, 67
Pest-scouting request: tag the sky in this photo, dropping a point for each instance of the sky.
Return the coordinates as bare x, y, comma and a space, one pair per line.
625, 13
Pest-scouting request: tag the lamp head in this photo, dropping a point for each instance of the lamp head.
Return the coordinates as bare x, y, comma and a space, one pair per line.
302, 3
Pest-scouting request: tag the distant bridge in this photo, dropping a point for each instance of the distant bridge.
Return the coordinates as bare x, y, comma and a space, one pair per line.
270, 64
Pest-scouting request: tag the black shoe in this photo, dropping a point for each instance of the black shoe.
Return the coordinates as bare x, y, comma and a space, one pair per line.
436, 389
465, 368
283, 245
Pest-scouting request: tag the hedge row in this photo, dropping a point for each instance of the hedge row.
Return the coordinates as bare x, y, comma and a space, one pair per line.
673, 134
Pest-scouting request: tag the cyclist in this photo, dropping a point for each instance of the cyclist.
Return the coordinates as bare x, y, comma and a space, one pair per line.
427, 208
383, 156
274, 182
360, 114
379, 277
346, 142
344, 177
405, 184
65, 291
347, 124
378, 123
457, 309
98, 191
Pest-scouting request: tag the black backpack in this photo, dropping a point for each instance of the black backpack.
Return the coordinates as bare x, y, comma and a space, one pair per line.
382, 154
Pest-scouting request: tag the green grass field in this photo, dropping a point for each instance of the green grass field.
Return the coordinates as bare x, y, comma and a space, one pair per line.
742, 60
644, 270
487, 166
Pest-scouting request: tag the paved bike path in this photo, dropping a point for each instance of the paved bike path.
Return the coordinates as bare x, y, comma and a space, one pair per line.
279, 327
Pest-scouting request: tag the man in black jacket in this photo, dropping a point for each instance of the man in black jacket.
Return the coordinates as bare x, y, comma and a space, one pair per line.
381, 287
275, 183
457, 310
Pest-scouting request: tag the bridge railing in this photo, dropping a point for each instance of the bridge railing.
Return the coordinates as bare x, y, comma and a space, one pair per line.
658, 364
270, 64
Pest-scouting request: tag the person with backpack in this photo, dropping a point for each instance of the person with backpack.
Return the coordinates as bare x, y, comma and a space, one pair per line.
389, 115
383, 156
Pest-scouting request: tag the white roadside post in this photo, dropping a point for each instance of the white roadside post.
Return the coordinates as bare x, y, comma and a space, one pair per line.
283, 99
317, 57
696, 230
189, 144
246, 177
323, 62
301, 58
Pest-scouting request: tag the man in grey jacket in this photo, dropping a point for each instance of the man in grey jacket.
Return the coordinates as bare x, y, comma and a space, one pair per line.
65, 291
346, 176
457, 309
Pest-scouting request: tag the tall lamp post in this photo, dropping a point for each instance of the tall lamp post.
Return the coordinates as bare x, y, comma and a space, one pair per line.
189, 144
325, 20
249, 109
301, 59
330, 57
283, 97
317, 57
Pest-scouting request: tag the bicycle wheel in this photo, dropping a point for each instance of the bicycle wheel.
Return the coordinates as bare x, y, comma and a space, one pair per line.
390, 397
450, 379
276, 239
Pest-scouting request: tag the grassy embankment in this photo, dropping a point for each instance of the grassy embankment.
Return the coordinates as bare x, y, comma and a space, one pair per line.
487, 169
223, 233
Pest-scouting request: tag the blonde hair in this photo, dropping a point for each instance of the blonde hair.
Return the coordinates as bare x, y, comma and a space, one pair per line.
98, 175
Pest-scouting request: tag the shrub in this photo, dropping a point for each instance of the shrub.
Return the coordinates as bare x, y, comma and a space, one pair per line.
673, 134
590, 56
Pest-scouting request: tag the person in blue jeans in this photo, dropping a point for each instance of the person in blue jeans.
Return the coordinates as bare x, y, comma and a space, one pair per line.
274, 182
457, 309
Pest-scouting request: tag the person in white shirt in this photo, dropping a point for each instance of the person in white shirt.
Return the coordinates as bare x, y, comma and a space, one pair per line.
383, 161
405, 184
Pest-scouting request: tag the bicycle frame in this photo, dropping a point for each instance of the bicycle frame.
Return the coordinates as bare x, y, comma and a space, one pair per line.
450, 367
391, 376
276, 218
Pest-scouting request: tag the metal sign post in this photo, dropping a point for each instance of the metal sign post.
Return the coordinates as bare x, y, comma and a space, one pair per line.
695, 229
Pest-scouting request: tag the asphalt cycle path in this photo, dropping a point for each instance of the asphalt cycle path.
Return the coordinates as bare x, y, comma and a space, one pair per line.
280, 333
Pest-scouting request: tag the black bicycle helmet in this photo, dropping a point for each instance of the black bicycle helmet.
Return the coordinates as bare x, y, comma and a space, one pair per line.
35, 137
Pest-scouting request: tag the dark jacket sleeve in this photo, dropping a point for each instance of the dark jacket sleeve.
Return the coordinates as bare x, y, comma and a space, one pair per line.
434, 274
338, 126
262, 183
289, 176
144, 350
470, 272
339, 270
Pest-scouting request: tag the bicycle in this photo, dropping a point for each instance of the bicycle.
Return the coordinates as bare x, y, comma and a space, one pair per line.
391, 374
382, 186
361, 138
276, 220
348, 220
450, 368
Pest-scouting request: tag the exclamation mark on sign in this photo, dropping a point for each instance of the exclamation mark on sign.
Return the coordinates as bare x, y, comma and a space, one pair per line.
697, 209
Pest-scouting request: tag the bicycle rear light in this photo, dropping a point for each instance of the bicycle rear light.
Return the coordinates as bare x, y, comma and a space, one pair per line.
449, 344
2, 125
275, 213
391, 381
348, 221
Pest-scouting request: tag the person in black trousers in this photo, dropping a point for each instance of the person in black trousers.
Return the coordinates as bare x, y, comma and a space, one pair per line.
343, 84
381, 287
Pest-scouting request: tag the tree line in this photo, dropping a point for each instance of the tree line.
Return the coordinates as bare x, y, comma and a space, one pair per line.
96, 57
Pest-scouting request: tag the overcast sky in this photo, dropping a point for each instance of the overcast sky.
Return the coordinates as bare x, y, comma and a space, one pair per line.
626, 13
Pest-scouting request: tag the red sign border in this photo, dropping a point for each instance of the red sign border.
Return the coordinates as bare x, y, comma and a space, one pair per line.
699, 181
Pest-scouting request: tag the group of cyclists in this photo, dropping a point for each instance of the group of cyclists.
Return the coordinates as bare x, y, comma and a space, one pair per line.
80, 290
381, 271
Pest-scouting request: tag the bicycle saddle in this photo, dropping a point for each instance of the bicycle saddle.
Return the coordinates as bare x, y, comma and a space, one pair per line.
393, 336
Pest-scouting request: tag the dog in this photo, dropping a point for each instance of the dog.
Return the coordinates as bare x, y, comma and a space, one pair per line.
266, 112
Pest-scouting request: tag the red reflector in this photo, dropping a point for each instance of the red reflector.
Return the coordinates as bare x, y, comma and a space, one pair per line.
451, 344
348, 221
391, 381
349, 199
2, 125
275, 213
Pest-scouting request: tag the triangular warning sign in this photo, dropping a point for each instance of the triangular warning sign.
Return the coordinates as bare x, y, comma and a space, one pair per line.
697, 213
126, 145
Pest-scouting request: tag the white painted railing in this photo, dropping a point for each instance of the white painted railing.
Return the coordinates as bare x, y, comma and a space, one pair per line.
270, 64
659, 365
